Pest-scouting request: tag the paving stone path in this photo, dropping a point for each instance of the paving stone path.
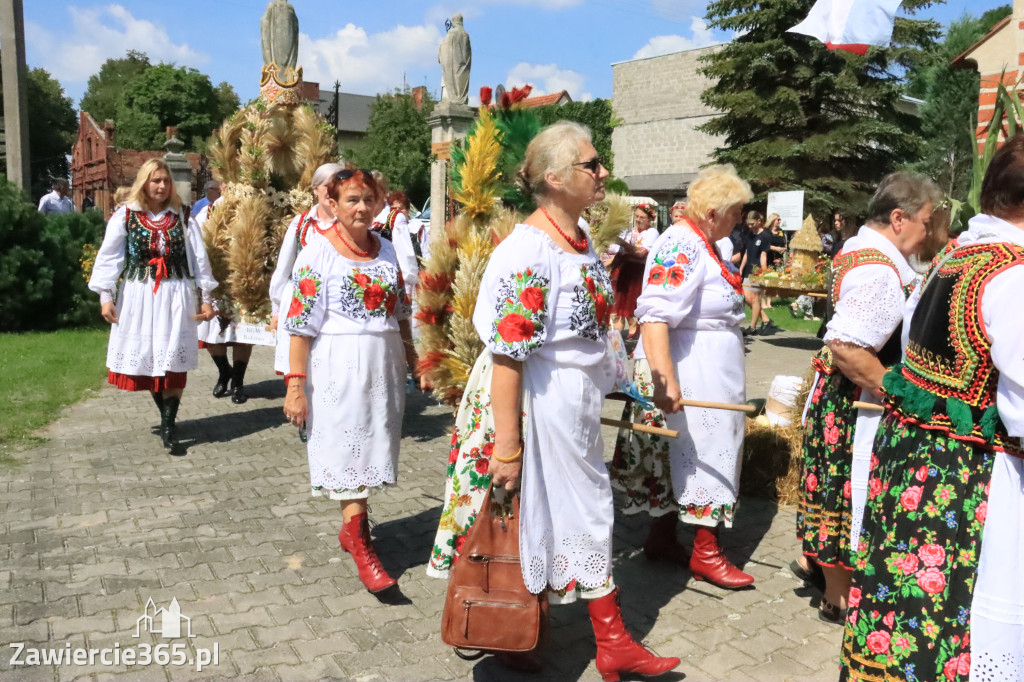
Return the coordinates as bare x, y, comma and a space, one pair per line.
99, 519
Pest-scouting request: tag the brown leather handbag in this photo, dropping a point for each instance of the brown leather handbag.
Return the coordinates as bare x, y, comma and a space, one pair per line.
488, 607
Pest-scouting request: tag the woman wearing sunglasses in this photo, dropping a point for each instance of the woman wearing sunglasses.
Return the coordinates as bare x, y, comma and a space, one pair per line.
349, 351
532, 406
690, 313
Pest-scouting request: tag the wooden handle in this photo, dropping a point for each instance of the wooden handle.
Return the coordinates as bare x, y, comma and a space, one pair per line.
735, 407
643, 428
860, 404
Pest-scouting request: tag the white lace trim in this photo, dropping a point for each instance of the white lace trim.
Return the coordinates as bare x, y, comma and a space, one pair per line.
581, 557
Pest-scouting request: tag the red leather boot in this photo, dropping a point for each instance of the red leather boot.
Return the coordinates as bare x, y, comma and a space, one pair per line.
617, 653
662, 543
709, 562
355, 539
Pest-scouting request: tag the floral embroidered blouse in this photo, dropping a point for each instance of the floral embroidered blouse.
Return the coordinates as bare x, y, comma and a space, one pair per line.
299, 233
684, 286
536, 298
335, 295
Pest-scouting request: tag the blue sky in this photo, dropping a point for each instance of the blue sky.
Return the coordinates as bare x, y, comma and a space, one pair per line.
376, 46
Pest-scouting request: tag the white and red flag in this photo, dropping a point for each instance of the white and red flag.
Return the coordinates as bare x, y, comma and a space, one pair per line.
851, 25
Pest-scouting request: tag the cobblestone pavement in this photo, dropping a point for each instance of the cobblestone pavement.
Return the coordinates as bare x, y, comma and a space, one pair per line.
100, 519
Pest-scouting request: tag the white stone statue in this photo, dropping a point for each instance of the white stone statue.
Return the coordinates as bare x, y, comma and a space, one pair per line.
455, 56
279, 30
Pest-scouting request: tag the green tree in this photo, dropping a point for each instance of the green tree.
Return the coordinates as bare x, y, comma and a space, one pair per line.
167, 95
227, 101
595, 114
105, 89
950, 110
796, 115
52, 128
398, 143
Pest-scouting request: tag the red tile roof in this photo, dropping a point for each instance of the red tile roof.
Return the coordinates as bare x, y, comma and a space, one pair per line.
545, 100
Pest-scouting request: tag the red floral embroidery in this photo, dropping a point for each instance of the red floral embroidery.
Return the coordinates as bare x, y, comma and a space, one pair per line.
373, 296
659, 275
514, 327
532, 299
295, 309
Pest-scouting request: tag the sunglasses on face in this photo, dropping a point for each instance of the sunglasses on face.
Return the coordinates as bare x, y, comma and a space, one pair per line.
591, 166
347, 173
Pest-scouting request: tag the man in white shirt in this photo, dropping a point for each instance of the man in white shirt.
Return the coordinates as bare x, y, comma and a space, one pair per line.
57, 201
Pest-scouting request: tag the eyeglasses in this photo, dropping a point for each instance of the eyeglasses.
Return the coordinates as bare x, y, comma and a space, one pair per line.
591, 166
347, 173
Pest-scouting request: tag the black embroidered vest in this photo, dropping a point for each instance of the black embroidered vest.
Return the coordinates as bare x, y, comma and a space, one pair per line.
143, 257
948, 381
842, 264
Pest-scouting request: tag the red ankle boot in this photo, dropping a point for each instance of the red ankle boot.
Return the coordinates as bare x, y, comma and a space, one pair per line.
709, 562
355, 539
662, 543
617, 653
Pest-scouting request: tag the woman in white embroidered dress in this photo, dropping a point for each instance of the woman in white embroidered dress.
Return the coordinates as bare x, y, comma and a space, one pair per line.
217, 334
304, 229
691, 347
349, 351
870, 281
153, 338
543, 312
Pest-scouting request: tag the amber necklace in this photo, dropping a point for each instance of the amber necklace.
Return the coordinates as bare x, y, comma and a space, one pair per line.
580, 246
352, 247
733, 278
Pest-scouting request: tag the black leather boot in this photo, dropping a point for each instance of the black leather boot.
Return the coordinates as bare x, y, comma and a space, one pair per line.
238, 382
168, 428
220, 389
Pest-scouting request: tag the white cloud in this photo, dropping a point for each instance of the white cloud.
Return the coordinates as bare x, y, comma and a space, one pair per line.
371, 63
548, 78
659, 45
99, 34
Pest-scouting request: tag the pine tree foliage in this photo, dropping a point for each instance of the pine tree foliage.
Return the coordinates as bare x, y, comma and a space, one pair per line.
796, 115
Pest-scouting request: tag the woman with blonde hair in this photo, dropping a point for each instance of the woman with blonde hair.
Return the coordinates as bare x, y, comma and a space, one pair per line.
349, 350
691, 347
532, 407
153, 337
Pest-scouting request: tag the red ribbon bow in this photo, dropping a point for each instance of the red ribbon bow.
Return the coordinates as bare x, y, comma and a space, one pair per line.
161, 270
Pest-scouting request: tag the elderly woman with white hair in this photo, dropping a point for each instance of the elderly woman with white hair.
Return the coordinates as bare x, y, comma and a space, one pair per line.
691, 347
532, 407
160, 262
304, 229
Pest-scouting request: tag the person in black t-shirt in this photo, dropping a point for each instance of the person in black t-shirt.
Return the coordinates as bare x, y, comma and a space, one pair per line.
758, 245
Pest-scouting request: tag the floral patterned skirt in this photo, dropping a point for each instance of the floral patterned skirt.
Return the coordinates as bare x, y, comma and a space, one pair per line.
910, 603
824, 515
641, 466
469, 479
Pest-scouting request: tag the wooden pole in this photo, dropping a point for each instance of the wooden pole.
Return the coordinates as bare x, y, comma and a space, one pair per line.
15, 74
643, 428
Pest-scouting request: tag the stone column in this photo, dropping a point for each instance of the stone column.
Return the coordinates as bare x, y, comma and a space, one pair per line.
15, 76
181, 169
448, 122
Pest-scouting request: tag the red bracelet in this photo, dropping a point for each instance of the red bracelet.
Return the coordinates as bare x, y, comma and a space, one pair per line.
288, 376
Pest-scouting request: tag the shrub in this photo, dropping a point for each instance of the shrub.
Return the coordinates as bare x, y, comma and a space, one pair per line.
41, 283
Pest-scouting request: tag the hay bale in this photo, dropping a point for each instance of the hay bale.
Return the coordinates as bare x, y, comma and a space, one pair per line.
772, 461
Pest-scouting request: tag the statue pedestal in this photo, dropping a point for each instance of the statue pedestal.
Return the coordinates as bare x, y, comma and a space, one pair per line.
448, 122
181, 169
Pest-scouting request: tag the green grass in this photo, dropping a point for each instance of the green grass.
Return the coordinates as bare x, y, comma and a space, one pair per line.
42, 372
781, 314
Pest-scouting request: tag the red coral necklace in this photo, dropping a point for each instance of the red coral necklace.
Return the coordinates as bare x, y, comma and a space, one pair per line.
161, 224
351, 247
580, 246
734, 279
